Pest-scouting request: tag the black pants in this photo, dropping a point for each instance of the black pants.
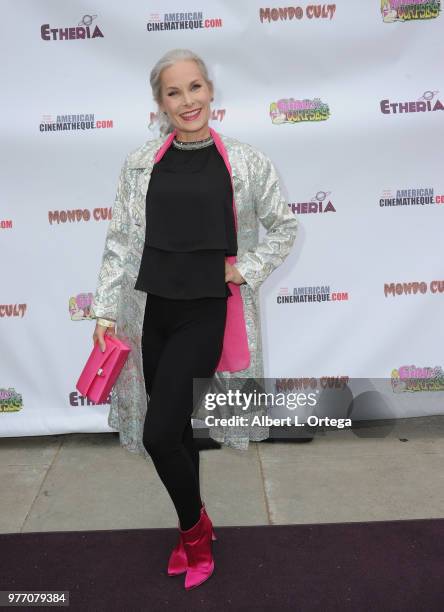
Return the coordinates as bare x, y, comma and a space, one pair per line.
182, 340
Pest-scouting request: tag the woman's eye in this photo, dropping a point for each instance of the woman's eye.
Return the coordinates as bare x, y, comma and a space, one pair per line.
172, 93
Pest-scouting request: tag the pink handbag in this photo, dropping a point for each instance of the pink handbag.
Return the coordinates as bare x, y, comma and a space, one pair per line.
102, 369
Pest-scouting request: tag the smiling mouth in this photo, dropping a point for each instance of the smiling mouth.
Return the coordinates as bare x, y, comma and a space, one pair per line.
190, 116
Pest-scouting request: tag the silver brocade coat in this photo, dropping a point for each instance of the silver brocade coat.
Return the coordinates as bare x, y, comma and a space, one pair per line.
258, 197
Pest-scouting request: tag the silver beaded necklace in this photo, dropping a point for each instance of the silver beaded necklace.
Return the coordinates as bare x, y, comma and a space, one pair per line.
195, 144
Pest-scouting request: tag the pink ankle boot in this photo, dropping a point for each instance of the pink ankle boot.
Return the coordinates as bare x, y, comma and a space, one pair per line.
177, 563
197, 543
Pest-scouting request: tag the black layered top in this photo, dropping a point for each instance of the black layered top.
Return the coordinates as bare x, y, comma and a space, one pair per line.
190, 226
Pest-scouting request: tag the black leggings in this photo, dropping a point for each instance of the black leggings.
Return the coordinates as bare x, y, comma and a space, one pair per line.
181, 340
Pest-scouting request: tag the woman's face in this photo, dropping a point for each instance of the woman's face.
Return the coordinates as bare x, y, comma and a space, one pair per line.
183, 89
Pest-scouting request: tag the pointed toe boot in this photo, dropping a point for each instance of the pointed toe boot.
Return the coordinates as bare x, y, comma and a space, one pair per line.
197, 543
177, 563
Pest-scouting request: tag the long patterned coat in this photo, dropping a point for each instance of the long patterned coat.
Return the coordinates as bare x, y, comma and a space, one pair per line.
258, 197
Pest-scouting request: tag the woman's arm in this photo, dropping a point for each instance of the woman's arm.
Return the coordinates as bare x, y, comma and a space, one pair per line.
116, 244
274, 214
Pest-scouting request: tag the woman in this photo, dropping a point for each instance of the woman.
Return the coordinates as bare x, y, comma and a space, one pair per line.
179, 280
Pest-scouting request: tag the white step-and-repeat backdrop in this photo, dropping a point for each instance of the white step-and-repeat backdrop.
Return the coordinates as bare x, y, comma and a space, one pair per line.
347, 98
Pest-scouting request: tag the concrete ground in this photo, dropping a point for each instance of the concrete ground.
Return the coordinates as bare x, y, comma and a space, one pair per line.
385, 470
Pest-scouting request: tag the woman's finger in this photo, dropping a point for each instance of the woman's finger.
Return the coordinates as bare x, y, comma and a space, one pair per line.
100, 333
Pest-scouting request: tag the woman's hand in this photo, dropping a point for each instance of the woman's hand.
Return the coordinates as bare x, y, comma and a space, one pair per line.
232, 274
99, 334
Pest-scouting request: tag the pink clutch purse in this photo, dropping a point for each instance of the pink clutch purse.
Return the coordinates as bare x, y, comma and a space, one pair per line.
102, 369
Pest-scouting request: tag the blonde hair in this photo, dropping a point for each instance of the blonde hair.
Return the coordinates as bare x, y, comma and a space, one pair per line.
169, 59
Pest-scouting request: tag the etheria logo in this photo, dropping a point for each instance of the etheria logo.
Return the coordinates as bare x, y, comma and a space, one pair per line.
320, 203
83, 30
424, 104
296, 111
409, 10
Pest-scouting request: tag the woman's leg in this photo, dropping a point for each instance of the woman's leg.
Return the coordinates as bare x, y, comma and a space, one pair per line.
153, 342
194, 342
188, 442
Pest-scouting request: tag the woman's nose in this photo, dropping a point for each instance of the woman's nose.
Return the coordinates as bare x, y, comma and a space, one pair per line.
187, 99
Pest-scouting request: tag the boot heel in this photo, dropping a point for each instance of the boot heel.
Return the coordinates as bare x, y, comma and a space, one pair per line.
213, 535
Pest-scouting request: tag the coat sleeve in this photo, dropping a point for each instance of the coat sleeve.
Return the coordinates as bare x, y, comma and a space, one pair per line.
281, 224
116, 244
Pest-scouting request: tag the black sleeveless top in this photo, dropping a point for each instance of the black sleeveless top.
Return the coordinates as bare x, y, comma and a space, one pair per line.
190, 226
